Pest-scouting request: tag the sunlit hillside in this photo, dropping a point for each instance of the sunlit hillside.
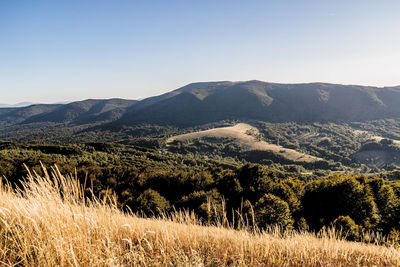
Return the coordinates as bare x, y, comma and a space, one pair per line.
49, 222
246, 136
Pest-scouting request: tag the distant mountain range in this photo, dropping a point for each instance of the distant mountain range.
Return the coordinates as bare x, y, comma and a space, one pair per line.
200, 103
18, 105
27, 104
80, 112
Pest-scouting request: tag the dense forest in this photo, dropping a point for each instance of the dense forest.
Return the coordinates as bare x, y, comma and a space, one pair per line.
150, 181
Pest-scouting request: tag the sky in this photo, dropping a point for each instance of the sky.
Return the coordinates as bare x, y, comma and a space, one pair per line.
66, 50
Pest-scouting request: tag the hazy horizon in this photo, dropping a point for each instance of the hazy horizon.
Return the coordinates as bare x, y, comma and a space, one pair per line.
52, 51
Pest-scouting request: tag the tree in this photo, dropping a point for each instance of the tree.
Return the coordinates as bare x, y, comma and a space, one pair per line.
335, 196
151, 202
273, 211
349, 229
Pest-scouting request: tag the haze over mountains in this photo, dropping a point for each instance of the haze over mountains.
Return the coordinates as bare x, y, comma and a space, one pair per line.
205, 102
18, 105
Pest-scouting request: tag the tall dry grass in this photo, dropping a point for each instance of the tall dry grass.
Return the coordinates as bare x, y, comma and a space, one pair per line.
49, 222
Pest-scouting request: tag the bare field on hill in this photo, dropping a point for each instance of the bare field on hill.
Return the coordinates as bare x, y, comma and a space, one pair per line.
246, 136
51, 223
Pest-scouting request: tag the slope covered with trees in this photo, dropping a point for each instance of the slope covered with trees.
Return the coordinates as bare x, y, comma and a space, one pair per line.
149, 182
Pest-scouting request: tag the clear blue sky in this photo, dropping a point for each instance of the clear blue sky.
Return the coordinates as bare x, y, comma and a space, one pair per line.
60, 50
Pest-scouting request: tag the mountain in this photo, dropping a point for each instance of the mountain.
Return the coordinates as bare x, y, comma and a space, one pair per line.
20, 115
86, 111
204, 87
80, 112
205, 102
200, 103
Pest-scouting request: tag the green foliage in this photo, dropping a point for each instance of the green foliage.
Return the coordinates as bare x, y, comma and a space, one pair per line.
273, 211
348, 228
326, 199
151, 202
389, 206
149, 180
335, 142
207, 204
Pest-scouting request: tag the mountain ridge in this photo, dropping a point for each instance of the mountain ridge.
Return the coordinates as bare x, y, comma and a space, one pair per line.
199, 103
205, 102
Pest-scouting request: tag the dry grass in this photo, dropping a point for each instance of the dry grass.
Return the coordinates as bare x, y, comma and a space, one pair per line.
243, 134
50, 223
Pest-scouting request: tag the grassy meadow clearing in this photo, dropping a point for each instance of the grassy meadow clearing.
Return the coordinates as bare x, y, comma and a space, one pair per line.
50, 222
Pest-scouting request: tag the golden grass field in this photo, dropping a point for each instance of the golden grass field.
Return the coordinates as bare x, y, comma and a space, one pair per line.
243, 134
49, 222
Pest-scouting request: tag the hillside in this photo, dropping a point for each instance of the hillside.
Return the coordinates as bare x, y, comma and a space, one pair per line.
11, 116
51, 223
201, 103
87, 111
244, 135
80, 112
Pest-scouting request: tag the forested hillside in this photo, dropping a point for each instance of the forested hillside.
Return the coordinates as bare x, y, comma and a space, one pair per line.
201, 103
142, 181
